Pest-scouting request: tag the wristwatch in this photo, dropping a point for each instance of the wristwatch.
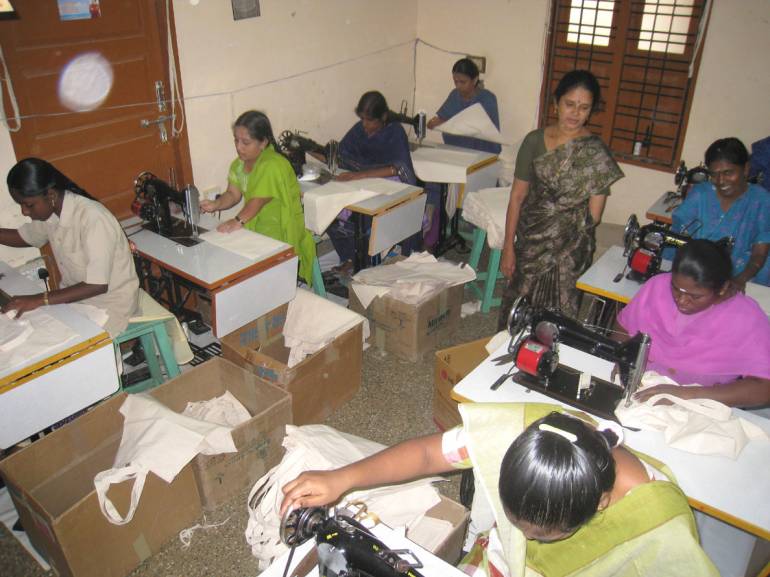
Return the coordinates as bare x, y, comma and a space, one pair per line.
239, 221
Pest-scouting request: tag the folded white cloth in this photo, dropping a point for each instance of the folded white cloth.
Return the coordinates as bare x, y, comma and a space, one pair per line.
475, 122
413, 280
13, 332
243, 242
223, 410
700, 426
36, 333
94, 314
487, 209
318, 447
313, 322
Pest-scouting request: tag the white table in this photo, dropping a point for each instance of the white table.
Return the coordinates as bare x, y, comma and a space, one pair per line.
598, 280
661, 209
445, 164
432, 565
51, 385
241, 289
734, 491
396, 212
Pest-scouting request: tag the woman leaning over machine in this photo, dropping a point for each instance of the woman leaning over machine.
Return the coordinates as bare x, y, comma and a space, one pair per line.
90, 247
729, 205
266, 181
702, 330
560, 186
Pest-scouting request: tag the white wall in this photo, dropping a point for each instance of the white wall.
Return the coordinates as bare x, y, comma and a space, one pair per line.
732, 95
304, 63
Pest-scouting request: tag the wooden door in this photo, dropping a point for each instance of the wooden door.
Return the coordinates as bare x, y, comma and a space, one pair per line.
104, 148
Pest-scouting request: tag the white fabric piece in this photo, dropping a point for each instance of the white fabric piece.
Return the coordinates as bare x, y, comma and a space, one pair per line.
48, 333
429, 532
13, 332
469, 308
413, 280
151, 310
313, 322
700, 426
223, 410
322, 204
445, 164
242, 242
452, 196
156, 439
94, 314
318, 447
474, 122
497, 341
487, 210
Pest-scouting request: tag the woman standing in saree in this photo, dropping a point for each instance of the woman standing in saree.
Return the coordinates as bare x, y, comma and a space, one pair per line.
560, 186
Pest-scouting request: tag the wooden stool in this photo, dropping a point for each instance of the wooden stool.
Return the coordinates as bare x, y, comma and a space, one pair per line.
490, 276
150, 334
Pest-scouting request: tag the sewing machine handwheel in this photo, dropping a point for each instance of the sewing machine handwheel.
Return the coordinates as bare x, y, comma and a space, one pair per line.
629, 234
299, 525
519, 316
140, 180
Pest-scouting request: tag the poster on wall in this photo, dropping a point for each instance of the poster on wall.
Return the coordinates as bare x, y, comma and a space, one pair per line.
245, 9
79, 9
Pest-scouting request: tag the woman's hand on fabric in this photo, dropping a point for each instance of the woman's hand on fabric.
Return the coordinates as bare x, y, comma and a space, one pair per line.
23, 304
508, 262
229, 226
347, 176
313, 489
208, 206
675, 390
434, 122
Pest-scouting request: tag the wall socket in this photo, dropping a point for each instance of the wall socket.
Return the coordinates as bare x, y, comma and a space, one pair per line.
480, 61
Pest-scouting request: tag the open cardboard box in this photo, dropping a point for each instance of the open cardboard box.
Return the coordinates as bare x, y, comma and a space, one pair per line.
319, 384
51, 483
450, 547
451, 366
258, 440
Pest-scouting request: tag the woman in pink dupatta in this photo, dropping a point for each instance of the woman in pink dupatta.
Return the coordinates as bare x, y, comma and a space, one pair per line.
702, 330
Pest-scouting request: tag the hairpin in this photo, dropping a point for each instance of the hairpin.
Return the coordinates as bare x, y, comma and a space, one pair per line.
571, 437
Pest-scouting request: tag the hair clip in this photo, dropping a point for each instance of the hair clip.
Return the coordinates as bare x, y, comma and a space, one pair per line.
571, 437
616, 428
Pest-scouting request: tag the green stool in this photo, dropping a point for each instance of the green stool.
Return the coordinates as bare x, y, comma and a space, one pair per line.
150, 334
490, 276
318, 279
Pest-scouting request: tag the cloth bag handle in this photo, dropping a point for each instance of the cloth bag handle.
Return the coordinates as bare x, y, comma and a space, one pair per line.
102, 483
707, 407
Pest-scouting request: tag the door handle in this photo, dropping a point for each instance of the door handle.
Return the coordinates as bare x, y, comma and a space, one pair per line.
161, 119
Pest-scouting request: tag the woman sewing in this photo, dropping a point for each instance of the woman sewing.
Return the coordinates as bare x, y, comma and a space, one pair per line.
730, 206
566, 497
561, 183
266, 181
466, 93
375, 147
703, 331
90, 247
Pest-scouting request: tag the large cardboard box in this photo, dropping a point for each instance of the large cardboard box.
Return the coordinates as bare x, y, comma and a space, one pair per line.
409, 331
258, 440
450, 548
51, 483
452, 365
319, 384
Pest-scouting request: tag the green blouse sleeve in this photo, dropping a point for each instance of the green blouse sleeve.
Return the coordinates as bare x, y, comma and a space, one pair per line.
532, 147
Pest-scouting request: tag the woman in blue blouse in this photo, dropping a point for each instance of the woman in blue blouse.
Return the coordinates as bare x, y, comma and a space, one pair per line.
467, 92
728, 205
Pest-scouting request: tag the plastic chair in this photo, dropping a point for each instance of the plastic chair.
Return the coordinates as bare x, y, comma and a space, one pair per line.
318, 280
488, 277
150, 334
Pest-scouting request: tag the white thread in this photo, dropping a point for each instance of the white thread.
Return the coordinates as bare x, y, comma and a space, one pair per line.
185, 535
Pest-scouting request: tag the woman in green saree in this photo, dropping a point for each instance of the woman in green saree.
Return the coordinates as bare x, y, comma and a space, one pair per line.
560, 186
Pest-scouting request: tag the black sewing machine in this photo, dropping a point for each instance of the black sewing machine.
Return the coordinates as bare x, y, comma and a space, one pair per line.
152, 205
294, 145
537, 333
344, 547
419, 122
643, 247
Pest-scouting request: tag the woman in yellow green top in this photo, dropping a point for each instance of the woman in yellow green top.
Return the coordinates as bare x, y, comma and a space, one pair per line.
263, 177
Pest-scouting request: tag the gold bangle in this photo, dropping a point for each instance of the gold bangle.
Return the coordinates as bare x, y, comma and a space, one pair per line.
45, 298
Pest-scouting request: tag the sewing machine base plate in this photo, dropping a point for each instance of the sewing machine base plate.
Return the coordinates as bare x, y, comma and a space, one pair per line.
600, 399
181, 232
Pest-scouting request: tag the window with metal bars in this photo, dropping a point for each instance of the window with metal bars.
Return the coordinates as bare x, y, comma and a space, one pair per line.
645, 54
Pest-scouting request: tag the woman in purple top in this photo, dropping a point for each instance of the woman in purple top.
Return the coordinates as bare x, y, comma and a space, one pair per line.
467, 92
703, 331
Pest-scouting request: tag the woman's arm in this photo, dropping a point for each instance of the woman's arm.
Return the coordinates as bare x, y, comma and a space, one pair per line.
744, 392
403, 462
519, 192
70, 294
757, 260
11, 237
381, 172
228, 199
249, 211
596, 207
435, 121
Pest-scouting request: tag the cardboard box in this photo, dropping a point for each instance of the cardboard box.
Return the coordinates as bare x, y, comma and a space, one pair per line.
320, 384
258, 440
51, 483
451, 366
450, 548
409, 331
